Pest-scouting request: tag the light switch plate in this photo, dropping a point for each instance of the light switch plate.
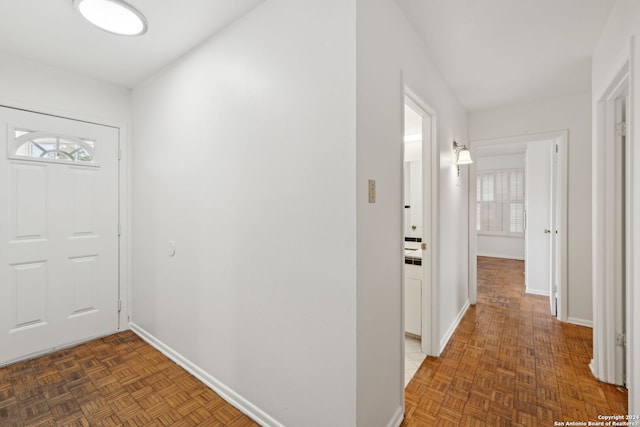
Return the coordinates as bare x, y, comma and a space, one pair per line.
372, 191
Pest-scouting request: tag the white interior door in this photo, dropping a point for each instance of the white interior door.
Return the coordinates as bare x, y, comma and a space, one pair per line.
553, 282
58, 232
538, 230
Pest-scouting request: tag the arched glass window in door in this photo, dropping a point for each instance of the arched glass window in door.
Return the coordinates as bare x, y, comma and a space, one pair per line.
51, 147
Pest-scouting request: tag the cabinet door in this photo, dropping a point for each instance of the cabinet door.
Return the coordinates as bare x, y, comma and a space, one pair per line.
413, 306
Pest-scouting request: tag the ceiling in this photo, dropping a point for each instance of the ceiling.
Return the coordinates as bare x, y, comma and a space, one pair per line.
502, 52
52, 32
491, 52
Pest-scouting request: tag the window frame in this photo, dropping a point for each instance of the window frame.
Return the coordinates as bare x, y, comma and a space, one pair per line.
29, 136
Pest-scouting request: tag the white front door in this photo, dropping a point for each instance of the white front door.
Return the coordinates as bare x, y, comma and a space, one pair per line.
58, 232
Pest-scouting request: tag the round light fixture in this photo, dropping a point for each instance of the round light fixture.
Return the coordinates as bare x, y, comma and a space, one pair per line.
113, 16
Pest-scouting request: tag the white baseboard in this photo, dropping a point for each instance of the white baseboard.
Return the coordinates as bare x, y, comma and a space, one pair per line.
592, 368
537, 292
447, 336
397, 418
225, 392
580, 322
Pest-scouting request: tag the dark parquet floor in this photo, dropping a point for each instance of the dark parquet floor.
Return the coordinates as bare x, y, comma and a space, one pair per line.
510, 363
116, 381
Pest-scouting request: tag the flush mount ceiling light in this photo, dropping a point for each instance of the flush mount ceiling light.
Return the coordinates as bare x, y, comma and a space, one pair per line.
113, 16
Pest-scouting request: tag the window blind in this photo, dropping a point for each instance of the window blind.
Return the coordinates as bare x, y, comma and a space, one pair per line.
500, 202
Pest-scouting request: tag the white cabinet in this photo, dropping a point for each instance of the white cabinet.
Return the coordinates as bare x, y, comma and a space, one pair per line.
413, 299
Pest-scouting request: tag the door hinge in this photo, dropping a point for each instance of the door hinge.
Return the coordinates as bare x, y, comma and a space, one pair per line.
621, 129
556, 148
119, 230
119, 154
621, 340
119, 305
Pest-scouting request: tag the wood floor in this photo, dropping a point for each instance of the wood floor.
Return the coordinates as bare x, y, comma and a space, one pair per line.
116, 381
510, 363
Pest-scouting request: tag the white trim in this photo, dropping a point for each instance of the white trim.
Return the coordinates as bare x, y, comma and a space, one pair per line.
604, 344
495, 234
430, 256
633, 296
537, 292
397, 418
592, 368
456, 322
225, 392
562, 136
580, 322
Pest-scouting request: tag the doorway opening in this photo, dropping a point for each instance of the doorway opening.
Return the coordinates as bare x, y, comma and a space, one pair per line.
419, 270
518, 211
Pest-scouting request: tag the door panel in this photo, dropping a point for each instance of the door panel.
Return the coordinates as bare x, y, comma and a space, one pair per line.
28, 288
58, 232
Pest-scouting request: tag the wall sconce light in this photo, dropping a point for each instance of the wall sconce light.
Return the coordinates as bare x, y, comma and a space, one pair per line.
463, 155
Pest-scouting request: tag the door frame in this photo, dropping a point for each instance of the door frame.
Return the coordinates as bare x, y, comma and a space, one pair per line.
561, 138
430, 312
604, 364
124, 192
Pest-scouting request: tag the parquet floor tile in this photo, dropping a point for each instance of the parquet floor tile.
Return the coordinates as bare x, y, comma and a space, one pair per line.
510, 363
114, 381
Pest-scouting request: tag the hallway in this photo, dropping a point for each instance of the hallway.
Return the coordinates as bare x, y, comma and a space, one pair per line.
510, 363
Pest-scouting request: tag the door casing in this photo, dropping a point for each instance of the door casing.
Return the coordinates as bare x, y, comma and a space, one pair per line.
430, 314
606, 362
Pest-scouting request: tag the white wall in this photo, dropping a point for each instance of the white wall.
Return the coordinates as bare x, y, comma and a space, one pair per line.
574, 114
387, 46
31, 85
244, 155
511, 247
508, 247
613, 49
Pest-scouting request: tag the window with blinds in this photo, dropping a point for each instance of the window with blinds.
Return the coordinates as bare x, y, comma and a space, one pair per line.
500, 202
